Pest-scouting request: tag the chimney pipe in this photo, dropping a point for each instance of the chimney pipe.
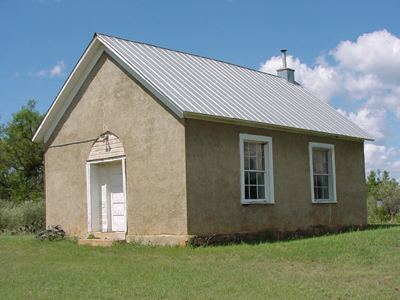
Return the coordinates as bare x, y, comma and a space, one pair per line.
283, 55
285, 72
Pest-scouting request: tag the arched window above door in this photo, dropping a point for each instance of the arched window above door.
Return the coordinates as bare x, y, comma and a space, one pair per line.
108, 145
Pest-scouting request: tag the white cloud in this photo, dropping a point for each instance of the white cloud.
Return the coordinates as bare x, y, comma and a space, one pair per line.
361, 86
375, 155
322, 79
41, 73
391, 100
382, 158
364, 75
367, 68
377, 53
372, 121
56, 71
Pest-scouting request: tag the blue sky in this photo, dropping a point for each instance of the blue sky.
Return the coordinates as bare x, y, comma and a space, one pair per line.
43, 39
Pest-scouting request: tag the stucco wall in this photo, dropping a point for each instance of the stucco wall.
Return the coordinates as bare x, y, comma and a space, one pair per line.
213, 182
155, 149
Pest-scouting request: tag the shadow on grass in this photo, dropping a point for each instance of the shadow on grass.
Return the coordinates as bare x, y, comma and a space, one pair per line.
272, 236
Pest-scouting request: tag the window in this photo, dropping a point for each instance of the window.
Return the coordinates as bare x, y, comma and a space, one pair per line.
256, 169
322, 172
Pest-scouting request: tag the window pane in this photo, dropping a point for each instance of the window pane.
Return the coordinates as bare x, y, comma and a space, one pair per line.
325, 180
253, 163
317, 180
252, 149
253, 192
320, 161
247, 163
260, 150
246, 192
246, 178
321, 193
321, 180
317, 193
260, 163
260, 177
325, 193
261, 192
253, 177
246, 149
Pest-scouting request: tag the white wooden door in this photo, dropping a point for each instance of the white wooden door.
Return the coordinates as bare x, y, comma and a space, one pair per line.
104, 207
112, 198
117, 199
104, 202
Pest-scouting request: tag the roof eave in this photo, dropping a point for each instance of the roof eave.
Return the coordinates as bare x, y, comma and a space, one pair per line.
220, 119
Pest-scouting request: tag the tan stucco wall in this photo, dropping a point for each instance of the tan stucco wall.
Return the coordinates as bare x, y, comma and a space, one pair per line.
153, 140
213, 182
184, 177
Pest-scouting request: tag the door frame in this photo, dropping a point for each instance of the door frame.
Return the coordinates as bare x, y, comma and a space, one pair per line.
89, 165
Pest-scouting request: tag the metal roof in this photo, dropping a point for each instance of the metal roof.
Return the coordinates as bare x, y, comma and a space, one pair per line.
193, 86
200, 85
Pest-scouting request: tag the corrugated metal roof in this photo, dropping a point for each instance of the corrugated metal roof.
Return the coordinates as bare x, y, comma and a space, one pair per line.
200, 85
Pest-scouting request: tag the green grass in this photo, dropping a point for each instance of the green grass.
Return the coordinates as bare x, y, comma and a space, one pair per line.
360, 265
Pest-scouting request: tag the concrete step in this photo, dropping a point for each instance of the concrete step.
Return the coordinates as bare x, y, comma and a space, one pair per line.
113, 236
95, 242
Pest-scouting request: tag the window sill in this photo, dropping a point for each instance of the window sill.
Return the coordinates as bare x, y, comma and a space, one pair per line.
256, 202
324, 202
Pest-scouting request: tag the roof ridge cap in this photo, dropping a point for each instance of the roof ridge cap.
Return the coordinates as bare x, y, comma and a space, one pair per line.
187, 53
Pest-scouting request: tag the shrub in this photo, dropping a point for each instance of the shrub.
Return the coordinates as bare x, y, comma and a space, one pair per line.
52, 233
22, 217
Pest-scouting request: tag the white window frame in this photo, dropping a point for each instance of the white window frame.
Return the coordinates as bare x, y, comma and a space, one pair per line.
269, 170
331, 168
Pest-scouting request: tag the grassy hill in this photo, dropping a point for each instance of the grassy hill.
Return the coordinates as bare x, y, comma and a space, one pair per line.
361, 265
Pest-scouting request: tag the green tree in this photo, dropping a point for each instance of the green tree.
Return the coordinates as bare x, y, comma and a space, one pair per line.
21, 160
383, 196
372, 183
389, 193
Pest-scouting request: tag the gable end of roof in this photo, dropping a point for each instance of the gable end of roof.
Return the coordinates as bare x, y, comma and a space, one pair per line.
76, 79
